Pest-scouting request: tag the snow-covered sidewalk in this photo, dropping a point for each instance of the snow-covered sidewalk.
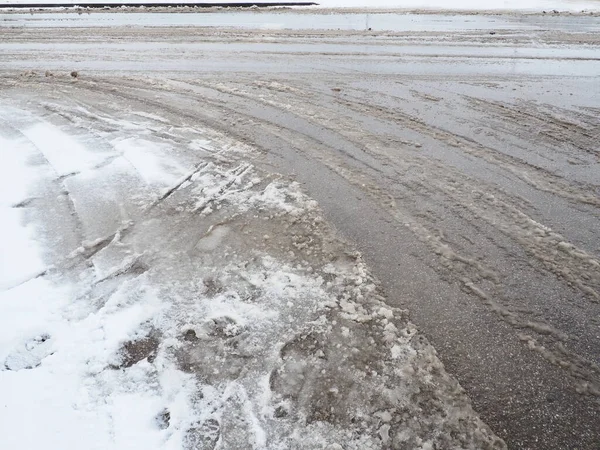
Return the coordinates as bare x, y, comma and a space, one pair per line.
158, 290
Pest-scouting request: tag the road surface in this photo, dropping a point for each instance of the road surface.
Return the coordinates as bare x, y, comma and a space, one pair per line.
458, 153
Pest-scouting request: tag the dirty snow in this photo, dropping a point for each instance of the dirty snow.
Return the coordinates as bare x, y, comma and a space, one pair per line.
167, 293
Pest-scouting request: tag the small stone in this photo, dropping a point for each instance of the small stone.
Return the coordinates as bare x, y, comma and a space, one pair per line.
163, 419
280, 412
190, 336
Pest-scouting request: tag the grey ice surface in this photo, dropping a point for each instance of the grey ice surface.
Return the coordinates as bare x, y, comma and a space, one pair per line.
301, 21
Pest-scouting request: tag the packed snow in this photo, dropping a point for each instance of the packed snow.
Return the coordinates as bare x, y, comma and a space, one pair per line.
159, 290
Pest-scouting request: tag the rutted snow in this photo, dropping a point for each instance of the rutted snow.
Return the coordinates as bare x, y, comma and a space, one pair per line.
207, 306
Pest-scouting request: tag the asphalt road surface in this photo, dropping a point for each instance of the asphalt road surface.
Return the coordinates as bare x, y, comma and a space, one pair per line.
459, 153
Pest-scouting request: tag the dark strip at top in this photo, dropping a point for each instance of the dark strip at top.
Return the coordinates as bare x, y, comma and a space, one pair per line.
154, 5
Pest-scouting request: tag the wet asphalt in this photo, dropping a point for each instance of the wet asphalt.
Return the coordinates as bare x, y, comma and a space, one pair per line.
462, 164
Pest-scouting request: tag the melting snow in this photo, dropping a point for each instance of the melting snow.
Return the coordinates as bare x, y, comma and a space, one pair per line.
204, 304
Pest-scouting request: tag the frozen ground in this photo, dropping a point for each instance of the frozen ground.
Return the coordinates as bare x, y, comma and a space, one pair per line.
457, 153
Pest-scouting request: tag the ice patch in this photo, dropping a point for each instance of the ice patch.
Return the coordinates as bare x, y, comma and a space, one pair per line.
107, 197
149, 160
213, 238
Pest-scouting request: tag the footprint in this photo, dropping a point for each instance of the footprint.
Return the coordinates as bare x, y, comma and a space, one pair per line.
202, 436
223, 327
132, 352
30, 354
163, 419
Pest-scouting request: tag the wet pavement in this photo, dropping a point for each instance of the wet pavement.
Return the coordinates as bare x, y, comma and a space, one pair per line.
463, 164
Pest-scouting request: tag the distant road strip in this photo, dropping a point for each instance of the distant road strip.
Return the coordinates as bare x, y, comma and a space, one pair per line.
155, 5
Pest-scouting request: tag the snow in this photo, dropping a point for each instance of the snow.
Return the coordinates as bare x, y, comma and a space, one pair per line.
61, 384
53, 345
19, 255
28, 312
15, 172
204, 304
53, 144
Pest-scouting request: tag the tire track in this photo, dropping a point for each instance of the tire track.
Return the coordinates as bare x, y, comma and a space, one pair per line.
416, 192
